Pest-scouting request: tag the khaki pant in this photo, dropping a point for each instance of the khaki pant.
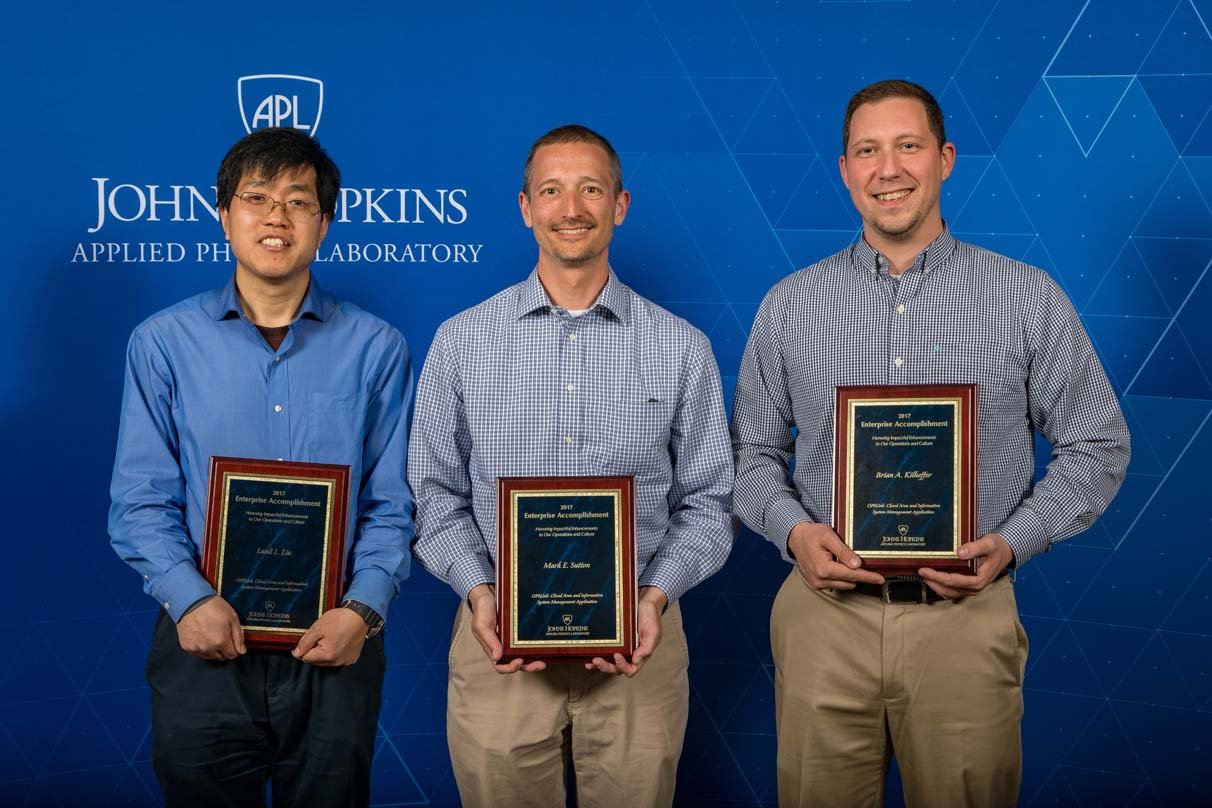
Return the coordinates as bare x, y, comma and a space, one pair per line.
939, 684
510, 735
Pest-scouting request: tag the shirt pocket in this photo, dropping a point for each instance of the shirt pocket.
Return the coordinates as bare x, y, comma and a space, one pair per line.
334, 428
998, 374
635, 436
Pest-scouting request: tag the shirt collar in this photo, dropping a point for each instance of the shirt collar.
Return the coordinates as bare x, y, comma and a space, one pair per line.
866, 258
316, 304
533, 297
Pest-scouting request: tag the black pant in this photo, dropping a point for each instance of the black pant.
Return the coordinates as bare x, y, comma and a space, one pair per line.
221, 729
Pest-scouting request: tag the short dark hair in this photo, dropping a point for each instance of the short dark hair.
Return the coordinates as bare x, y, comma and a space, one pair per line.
268, 152
575, 133
896, 88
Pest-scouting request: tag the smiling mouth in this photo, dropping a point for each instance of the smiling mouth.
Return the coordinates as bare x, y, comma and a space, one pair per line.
892, 196
274, 241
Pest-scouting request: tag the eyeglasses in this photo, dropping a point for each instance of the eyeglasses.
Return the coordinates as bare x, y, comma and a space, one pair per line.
297, 210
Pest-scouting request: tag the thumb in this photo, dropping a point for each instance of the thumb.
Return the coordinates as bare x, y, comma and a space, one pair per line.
307, 642
237, 635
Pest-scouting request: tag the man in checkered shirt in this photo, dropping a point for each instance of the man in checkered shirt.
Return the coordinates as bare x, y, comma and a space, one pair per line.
932, 669
570, 373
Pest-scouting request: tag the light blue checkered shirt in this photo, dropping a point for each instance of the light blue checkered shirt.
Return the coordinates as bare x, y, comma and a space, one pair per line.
960, 315
517, 386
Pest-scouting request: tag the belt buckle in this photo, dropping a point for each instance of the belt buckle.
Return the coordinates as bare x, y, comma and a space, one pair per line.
887, 593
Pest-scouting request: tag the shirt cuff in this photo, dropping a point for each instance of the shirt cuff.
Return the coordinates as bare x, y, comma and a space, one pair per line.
1026, 535
667, 576
468, 573
179, 588
373, 587
781, 517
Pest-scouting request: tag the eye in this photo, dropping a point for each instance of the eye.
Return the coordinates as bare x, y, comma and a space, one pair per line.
254, 198
909, 147
865, 150
592, 190
547, 191
299, 204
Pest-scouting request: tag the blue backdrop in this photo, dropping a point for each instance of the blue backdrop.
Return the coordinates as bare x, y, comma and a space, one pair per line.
1085, 147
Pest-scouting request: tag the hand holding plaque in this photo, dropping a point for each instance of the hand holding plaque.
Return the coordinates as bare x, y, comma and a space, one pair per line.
566, 574
904, 493
275, 544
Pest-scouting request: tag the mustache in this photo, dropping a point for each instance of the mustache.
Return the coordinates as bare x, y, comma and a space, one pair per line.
576, 222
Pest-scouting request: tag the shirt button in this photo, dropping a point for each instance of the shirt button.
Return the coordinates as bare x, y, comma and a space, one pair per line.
568, 438
279, 460
570, 388
899, 361
278, 407
900, 309
572, 337
166, 604
146, 578
277, 358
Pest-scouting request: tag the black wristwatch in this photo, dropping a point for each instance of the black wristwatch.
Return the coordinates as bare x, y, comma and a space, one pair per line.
374, 623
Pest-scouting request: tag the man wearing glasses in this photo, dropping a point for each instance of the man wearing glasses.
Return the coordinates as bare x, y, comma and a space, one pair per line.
272, 367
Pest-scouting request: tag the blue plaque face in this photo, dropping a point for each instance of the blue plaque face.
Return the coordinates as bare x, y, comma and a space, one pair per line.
273, 547
904, 461
566, 565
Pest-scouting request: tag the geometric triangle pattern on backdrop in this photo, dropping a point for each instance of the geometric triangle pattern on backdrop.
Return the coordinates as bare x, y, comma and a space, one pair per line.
1184, 45
1182, 103
1087, 102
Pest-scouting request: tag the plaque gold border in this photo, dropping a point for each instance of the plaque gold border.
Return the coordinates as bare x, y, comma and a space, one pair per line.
957, 526
328, 485
616, 494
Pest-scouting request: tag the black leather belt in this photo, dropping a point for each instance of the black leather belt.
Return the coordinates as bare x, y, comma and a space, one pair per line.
914, 591
906, 591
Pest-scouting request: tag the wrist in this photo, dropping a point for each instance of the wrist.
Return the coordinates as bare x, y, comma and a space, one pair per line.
655, 596
372, 619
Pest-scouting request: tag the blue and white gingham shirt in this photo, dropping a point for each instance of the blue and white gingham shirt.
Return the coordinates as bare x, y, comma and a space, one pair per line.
517, 386
960, 315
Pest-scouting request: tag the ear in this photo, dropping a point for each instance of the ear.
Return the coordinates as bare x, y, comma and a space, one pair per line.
524, 205
621, 203
841, 166
325, 220
224, 216
948, 158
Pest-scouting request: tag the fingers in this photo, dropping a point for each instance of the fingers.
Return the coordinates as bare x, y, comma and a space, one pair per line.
520, 665
618, 665
237, 636
991, 553
306, 643
824, 559
211, 631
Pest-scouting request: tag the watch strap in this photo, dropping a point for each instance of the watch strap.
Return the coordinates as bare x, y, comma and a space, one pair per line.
374, 620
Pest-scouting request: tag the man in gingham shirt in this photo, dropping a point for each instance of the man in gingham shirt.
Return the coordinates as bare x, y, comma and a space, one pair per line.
570, 373
931, 670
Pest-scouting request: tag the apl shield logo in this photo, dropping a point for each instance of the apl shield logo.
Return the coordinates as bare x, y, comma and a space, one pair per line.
904, 529
568, 620
269, 605
276, 99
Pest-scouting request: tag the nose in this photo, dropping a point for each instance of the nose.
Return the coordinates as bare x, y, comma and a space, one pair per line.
570, 205
889, 164
274, 214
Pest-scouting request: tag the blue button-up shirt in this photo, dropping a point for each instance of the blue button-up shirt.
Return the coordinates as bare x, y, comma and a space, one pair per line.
517, 386
201, 381
959, 315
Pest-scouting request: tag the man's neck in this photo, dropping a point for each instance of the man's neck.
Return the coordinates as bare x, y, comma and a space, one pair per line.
575, 289
271, 304
901, 254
